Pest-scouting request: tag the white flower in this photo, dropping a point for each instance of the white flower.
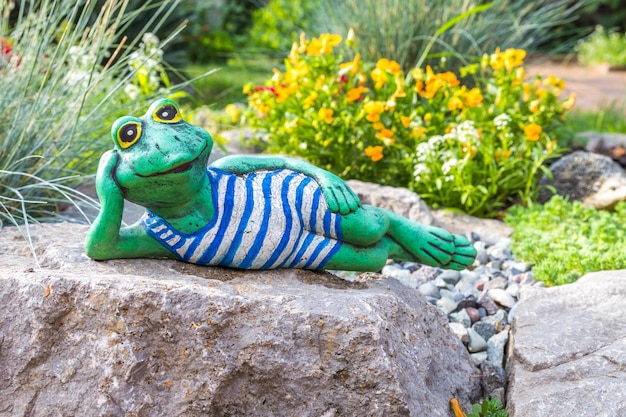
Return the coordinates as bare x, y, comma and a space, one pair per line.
132, 91
501, 121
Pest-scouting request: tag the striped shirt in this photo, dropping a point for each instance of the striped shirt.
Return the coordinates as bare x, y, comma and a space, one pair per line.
262, 220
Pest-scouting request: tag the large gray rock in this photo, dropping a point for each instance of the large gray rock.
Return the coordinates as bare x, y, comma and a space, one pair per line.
162, 338
568, 352
399, 200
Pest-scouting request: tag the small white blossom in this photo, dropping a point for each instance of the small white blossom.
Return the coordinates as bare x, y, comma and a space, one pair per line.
502, 121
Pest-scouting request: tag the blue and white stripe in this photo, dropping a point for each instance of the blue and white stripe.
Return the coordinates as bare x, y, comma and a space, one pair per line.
262, 220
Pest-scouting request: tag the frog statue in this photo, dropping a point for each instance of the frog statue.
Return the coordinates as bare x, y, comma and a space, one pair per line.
251, 212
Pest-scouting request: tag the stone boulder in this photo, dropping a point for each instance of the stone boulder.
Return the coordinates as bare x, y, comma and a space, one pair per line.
149, 337
568, 349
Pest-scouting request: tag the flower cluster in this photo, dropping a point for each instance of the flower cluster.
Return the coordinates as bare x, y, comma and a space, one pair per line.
475, 140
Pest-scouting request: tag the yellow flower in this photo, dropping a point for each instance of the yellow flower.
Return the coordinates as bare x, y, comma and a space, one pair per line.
526, 94
513, 58
569, 103
302, 46
356, 93
428, 117
293, 54
532, 132
378, 126
374, 152
520, 74
406, 121
455, 103
323, 45
352, 67
233, 112
551, 145
418, 132
473, 98
374, 109
399, 87
554, 82
284, 92
534, 106
379, 77
308, 102
326, 114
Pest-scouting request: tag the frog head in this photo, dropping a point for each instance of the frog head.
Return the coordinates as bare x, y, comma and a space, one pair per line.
162, 159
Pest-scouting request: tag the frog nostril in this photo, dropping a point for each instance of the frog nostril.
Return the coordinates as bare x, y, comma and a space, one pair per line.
157, 146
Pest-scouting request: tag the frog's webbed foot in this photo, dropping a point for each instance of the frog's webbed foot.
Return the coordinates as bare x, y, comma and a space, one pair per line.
439, 248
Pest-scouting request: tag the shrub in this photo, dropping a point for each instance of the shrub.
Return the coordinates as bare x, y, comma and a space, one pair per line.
566, 240
476, 148
603, 48
64, 82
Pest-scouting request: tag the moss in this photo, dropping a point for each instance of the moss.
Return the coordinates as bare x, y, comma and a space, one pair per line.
565, 240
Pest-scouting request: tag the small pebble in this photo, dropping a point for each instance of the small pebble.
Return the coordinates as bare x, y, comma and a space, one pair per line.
514, 290
473, 314
481, 257
495, 346
498, 320
461, 332
489, 305
467, 289
496, 283
478, 357
468, 302
429, 289
485, 329
450, 276
446, 304
460, 317
502, 297
476, 342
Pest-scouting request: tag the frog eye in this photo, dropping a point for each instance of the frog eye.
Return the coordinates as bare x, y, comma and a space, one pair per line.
167, 114
128, 134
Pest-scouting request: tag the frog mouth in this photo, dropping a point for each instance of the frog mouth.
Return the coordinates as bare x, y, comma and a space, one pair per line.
184, 167
178, 169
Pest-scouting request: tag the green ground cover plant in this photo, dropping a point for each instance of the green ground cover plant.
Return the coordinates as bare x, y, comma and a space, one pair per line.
603, 47
476, 147
565, 240
65, 79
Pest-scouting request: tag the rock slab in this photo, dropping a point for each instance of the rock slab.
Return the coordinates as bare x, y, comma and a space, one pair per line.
568, 352
162, 338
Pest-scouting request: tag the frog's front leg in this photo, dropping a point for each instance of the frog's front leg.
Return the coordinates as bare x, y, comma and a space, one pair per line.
106, 239
339, 196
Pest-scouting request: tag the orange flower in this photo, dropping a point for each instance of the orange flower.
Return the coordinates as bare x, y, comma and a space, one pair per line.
501, 155
389, 66
356, 93
386, 135
378, 126
326, 114
532, 132
406, 121
374, 152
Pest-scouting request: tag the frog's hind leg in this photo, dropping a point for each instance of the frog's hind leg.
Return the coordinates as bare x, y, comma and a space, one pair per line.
378, 230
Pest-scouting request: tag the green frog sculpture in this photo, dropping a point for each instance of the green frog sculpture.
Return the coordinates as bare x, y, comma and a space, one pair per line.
251, 212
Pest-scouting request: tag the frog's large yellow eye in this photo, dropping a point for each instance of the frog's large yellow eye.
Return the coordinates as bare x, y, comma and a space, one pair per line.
167, 113
128, 134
